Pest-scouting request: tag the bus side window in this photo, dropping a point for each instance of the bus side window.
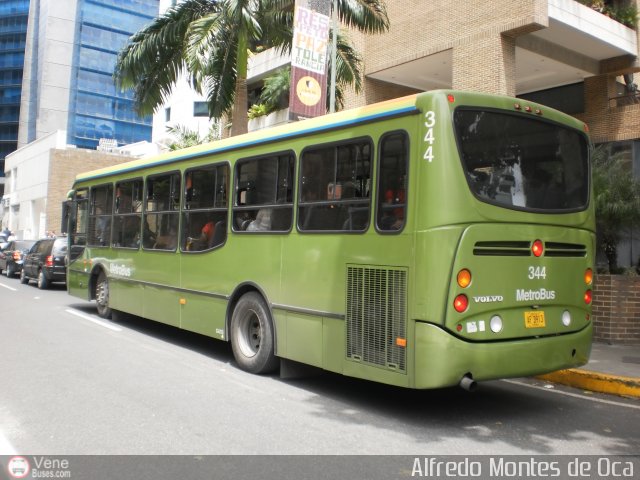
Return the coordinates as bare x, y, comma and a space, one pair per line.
127, 217
392, 182
160, 223
101, 206
204, 218
264, 200
335, 187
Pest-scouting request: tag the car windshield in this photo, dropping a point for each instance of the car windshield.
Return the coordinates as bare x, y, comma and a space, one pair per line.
523, 163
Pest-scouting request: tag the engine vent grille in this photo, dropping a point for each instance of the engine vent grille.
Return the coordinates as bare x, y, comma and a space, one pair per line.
376, 316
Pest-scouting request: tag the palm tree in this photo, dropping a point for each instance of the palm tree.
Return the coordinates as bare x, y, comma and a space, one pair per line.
210, 40
184, 137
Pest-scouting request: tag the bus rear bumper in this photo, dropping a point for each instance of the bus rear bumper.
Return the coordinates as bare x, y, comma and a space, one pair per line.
442, 359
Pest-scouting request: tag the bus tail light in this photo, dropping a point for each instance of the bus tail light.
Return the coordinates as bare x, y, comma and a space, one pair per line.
451, 98
461, 303
537, 248
588, 276
464, 278
587, 297
49, 261
566, 318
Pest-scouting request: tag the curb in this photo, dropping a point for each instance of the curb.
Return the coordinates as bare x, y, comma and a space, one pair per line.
595, 382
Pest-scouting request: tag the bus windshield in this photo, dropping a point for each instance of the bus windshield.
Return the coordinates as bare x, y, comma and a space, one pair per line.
523, 163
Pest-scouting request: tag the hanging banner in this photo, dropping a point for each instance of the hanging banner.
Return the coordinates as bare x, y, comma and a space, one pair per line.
308, 92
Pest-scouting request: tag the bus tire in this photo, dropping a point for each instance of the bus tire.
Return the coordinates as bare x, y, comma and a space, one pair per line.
102, 296
252, 335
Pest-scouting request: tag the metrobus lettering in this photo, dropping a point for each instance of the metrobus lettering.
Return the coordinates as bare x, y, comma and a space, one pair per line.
523, 295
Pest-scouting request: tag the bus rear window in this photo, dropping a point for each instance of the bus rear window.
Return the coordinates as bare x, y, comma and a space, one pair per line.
522, 163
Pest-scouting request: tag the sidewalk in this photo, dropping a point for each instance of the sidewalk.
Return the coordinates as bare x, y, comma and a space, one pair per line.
613, 369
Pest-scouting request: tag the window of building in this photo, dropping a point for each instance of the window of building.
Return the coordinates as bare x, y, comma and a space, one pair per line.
392, 182
160, 227
167, 114
127, 217
101, 206
200, 109
335, 185
264, 194
204, 217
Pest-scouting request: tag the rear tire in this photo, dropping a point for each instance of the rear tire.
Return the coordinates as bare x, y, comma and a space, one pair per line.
10, 271
43, 283
23, 277
252, 335
102, 296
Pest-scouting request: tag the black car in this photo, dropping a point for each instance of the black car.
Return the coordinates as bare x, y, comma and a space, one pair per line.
45, 262
12, 256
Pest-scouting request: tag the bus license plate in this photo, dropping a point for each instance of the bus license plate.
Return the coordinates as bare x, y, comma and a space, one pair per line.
534, 319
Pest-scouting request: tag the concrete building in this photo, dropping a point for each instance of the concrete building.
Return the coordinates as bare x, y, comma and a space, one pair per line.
39, 176
67, 86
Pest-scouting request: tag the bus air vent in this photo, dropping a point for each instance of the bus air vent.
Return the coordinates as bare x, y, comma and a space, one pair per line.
555, 249
503, 249
376, 313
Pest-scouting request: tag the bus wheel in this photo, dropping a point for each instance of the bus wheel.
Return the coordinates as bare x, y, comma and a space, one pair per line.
102, 296
252, 335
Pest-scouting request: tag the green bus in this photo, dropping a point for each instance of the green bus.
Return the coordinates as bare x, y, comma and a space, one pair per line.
438, 239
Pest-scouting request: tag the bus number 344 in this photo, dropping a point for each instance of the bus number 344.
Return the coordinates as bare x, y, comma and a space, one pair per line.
429, 122
537, 272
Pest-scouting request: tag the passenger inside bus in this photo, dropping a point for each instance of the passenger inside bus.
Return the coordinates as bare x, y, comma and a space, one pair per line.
262, 223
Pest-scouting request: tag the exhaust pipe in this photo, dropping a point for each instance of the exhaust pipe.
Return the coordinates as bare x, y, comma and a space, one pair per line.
468, 383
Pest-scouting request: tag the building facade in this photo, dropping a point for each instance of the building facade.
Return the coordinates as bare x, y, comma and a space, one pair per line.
13, 35
72, 46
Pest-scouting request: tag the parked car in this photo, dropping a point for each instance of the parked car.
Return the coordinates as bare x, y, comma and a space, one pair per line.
12, 256
45, 262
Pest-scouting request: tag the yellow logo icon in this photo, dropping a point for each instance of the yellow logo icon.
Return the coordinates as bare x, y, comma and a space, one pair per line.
309, 91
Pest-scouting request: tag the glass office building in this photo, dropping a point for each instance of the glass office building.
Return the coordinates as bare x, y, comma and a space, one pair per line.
13, 35
98, 110
72, 47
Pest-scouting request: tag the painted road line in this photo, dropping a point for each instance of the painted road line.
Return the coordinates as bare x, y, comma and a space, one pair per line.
93, 320
5, 447
8, 287
575, 395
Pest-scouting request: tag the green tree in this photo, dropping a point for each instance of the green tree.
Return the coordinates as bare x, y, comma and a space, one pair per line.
184, 137
617, 202
210, 40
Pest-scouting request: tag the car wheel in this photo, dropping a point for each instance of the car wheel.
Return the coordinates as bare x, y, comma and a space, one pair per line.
252, 338
10, 271
102, 296
23, 277
43, 283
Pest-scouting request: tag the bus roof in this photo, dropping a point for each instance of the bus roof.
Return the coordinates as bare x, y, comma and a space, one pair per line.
391, 108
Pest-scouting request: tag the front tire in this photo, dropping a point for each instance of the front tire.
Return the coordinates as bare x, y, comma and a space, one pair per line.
102, 296
252, 335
